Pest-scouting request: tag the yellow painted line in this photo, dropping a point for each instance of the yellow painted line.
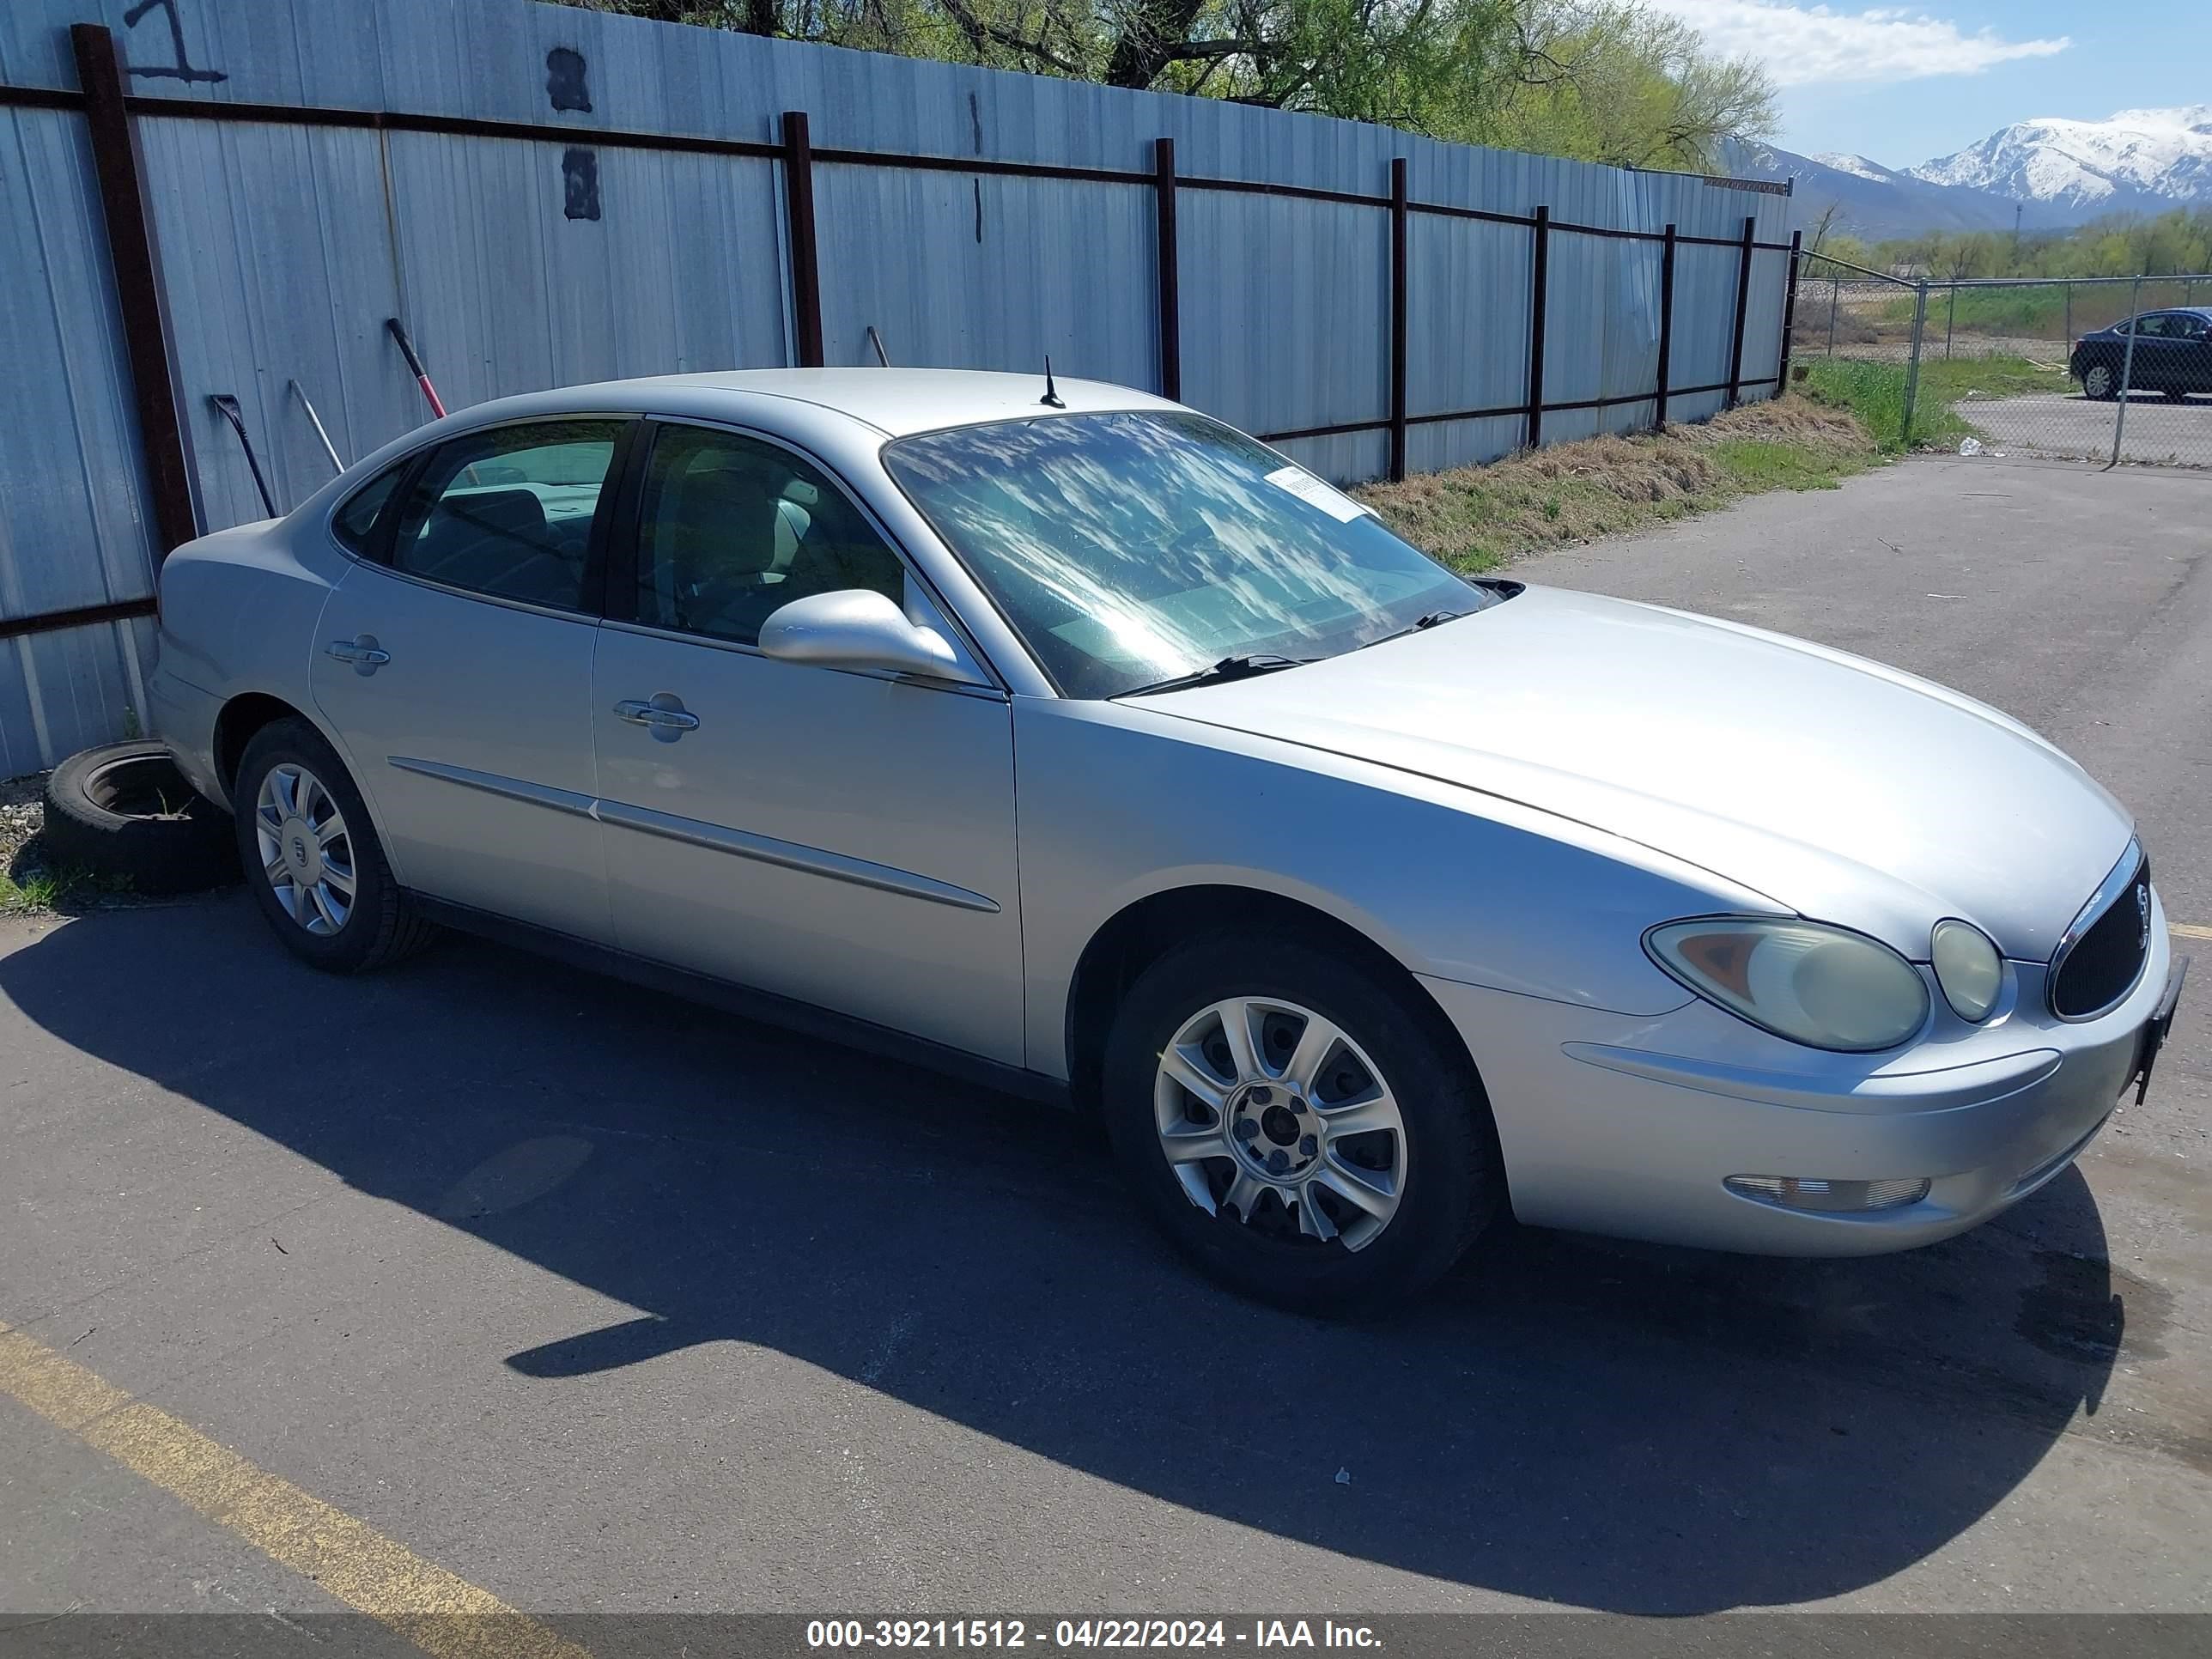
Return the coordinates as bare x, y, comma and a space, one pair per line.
2188, 930
439, 1613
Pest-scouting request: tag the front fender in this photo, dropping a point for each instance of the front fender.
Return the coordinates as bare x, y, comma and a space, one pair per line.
1117, 804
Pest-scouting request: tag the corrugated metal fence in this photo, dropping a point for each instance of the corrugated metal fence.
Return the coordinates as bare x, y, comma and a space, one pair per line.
548, 196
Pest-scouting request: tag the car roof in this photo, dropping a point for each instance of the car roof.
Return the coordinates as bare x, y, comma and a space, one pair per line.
894, 401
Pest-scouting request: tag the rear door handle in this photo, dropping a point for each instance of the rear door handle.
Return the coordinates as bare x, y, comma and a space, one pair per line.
663, 715
362, 651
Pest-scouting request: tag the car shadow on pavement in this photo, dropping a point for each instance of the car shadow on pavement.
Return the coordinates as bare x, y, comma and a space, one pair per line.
1618, 1427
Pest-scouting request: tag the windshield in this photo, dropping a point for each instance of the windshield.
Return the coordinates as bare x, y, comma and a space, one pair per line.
1135, 547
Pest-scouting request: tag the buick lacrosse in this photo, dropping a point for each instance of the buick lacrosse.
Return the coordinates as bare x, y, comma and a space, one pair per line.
1069, 740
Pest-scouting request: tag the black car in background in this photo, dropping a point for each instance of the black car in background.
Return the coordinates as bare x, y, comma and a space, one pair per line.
2173, 355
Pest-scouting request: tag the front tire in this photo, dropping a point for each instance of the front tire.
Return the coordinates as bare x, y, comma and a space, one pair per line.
2100, 383
312, 857
1296, 1125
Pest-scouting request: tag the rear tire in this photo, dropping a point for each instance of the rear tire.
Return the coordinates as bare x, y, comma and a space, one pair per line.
313, 859
1281, 1152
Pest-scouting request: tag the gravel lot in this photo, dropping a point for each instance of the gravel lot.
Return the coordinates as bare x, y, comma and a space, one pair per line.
612, 1304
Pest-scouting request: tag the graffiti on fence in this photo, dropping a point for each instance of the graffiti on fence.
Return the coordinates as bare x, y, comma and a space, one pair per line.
180, 70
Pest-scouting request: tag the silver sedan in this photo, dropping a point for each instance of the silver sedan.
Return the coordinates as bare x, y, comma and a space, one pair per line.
1066, 738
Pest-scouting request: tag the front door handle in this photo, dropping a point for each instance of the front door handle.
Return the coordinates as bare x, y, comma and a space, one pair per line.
663, 715
362, 651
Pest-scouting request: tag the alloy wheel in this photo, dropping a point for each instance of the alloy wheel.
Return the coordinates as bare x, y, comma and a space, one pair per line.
1269, 1113
2098, 382
307, 852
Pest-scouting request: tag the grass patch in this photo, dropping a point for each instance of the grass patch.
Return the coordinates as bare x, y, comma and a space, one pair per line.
1952, 378
22, 893
31, 882
1875, 391
1478, 518
2036, 313
31, 886
1755, 464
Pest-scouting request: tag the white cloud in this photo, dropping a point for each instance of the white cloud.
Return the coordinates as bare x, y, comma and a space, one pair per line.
1802, 45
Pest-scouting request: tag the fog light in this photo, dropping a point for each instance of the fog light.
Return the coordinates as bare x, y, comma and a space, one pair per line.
1827, 1197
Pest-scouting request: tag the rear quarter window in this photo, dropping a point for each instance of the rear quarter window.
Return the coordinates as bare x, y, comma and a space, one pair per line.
355, 522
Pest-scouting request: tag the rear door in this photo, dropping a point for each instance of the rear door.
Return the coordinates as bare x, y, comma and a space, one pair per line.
454, 665
844, 839
2192, 353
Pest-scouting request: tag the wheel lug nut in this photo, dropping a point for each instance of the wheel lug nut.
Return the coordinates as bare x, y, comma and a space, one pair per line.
1277, 1161
1246, 1128
1308, 1147
1261, 1097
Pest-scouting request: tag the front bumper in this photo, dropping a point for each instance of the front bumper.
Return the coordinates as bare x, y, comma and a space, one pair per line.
1614, 1124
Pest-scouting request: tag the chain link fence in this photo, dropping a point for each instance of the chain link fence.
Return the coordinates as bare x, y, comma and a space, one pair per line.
2114, 371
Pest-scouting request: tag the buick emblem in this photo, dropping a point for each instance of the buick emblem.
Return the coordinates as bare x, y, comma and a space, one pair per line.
299, 856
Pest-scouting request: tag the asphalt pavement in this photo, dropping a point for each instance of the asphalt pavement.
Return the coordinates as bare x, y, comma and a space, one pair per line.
2068, 427
600, 1303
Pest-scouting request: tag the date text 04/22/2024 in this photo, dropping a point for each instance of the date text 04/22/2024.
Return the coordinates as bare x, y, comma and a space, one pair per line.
1074, 1635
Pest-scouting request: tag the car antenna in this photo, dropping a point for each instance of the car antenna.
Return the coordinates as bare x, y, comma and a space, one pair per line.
1051, 398
876, 340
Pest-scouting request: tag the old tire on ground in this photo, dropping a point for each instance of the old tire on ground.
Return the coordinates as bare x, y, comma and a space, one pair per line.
124, 812
1252, 1155
312, 857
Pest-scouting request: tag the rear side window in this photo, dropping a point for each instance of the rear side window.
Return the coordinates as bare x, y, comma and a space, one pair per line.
355, 523
508, 512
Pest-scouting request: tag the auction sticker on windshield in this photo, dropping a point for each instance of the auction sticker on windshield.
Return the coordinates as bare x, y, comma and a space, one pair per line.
1314, 493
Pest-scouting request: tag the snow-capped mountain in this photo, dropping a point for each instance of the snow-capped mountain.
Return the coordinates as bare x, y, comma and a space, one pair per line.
1849, 193
2143, 160
1858, 166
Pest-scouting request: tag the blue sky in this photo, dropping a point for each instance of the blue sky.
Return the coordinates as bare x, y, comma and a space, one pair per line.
1903, 84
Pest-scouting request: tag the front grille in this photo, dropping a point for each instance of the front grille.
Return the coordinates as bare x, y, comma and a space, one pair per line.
2102, 963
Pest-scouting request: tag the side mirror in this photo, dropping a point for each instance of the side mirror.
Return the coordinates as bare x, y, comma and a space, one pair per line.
856, 628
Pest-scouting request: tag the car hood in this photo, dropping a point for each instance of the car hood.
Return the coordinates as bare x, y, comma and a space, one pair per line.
1841, 789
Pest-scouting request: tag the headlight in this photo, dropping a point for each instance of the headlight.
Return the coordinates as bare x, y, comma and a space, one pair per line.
1823, 987
1968, 969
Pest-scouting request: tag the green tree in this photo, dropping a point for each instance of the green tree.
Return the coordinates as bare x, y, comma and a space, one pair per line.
1596, 80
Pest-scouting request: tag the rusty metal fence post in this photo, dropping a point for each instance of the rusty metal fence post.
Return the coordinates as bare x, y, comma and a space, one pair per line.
1539, 281
1788, 314
1170, 276
805, 269
1397, 319
1742, 307
139, 301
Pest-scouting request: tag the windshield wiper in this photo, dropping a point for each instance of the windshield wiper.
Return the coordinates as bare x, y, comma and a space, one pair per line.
1229, 668
1429, 621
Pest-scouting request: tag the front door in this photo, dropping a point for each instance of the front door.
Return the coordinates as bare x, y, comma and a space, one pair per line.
455, 669
844, 839
2153, 367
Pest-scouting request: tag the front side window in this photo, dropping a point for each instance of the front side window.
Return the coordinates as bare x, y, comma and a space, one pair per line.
1133, 547
507, 511
731, 529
